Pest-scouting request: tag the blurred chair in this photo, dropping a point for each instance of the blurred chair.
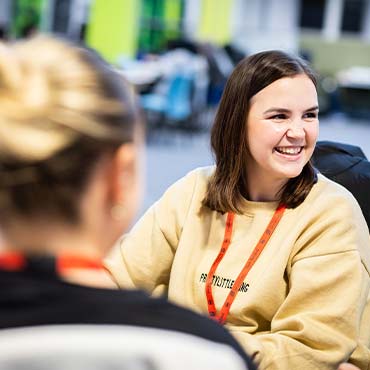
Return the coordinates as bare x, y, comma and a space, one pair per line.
220, 68
171, 104
179, 99
111, 347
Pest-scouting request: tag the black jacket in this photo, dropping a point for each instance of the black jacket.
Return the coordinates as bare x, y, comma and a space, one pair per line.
37, 296
347, 165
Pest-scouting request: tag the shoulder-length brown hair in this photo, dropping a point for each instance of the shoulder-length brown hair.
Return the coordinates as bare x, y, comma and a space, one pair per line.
229, 138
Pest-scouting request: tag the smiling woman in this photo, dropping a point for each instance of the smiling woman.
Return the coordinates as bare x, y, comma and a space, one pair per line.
281, 134
263, 89
260, 241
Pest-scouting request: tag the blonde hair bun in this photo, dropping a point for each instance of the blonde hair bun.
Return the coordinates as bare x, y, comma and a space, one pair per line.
49, 96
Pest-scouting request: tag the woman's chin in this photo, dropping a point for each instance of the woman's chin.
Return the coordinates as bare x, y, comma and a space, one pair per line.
290, 173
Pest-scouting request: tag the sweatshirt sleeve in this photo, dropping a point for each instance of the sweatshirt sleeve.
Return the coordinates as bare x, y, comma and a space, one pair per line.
317, 326
143, 257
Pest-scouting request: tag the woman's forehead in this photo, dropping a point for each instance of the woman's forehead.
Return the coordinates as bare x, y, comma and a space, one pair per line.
297, 90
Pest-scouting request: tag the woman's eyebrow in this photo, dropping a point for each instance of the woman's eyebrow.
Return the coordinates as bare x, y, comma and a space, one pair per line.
316, 107
284, 110
277, 110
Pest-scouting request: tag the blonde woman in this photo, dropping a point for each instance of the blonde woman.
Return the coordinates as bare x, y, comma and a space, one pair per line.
70, 144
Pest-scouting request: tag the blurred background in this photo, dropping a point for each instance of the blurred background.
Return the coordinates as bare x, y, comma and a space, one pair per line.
179, 53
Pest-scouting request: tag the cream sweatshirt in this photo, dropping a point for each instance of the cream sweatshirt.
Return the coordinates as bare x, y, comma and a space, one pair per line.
305, 303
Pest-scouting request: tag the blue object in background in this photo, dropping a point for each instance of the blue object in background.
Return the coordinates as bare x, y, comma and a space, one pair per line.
173, 103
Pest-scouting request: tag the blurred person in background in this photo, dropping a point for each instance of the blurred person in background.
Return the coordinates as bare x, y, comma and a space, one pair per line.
277, 253
70, 144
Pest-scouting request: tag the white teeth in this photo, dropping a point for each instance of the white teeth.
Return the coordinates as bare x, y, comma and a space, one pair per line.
289, 150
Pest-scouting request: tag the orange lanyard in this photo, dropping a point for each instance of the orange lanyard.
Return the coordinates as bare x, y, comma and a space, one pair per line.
14, 261
221, 317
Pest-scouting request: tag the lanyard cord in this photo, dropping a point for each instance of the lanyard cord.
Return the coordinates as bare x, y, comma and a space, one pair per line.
221, 317
14, 261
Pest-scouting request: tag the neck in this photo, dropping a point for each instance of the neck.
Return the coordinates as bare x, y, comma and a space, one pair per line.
57, 240
45, 238
261, 190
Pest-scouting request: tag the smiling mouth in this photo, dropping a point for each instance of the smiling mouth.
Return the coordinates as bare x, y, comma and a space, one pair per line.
288, 150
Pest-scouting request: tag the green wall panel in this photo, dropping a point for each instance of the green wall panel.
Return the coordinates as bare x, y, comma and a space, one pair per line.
215, 22
113, 28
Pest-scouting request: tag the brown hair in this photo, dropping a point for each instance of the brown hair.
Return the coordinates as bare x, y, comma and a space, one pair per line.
61, 109
228, 135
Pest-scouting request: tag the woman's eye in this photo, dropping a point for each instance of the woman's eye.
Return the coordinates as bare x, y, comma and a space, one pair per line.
310, 115
279, 116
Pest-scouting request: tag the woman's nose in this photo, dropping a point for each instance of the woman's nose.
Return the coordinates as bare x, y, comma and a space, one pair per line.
296, 129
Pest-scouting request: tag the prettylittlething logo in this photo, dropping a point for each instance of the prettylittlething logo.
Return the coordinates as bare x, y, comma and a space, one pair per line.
222, 282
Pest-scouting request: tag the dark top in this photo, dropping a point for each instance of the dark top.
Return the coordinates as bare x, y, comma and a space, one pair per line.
37, 296
347, 165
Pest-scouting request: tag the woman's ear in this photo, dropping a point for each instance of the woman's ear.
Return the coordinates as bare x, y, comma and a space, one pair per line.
125, 188
124, 174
